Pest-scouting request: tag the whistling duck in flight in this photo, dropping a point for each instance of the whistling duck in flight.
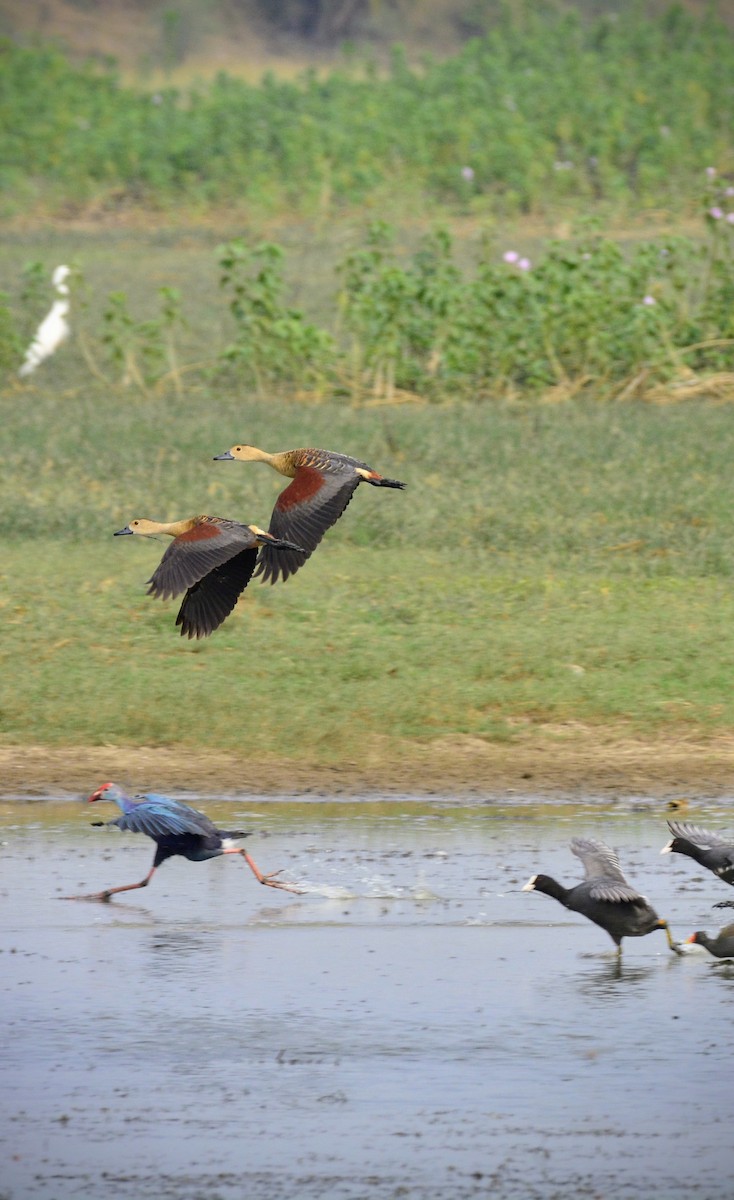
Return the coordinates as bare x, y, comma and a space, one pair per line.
708, 849
605, 896
323, 484
176, 828
212, 560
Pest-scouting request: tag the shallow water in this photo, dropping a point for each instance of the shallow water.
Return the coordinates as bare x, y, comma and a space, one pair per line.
414, 1025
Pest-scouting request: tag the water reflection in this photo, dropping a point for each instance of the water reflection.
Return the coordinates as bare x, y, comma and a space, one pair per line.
171, 951
723, 967
604, 983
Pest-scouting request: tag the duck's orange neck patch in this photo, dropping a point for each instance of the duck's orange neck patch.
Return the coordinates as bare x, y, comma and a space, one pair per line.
307, 483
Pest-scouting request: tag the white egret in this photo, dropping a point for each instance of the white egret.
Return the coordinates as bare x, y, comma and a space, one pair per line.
54, 328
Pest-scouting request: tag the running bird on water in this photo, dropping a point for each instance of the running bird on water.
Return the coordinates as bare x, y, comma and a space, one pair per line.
605, 896
722, 946
708, 849
212, 559
176, 828
323, 484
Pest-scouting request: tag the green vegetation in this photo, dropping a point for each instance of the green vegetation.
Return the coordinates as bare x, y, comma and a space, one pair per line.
546, 565
545, 110
549, 563
588, 314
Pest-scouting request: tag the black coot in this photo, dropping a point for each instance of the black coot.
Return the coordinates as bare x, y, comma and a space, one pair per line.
605, 896
710, 850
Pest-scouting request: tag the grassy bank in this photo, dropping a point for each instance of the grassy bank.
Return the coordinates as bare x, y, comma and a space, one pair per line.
370, 649
546, 565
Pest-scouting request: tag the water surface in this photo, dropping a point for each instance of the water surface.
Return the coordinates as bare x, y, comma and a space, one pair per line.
414, 1025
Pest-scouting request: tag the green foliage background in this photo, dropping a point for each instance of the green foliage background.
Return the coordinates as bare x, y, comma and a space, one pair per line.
546, 109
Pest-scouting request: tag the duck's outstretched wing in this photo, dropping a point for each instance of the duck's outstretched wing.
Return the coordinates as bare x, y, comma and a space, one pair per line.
303, 513
210, 601
192, 555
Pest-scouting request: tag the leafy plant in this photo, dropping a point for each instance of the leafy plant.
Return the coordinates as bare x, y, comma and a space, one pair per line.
273, 342
142, 350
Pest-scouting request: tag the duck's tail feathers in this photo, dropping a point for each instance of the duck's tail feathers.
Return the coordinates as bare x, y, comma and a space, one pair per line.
382, 482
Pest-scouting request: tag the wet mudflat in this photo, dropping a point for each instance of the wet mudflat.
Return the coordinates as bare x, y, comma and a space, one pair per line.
413, 1025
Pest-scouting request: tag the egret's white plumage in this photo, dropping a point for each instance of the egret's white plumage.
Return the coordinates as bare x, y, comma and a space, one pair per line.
54, 328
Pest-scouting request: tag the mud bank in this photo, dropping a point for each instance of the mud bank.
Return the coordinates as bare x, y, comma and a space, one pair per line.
562, 759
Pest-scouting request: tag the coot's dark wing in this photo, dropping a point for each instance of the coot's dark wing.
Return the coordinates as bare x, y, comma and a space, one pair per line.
603, 872
703, 838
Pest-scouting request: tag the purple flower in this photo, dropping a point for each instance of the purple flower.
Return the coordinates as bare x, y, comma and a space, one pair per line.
711, 172
510, 256
730, 218
467, 173
716, 212
524, 264
649, 301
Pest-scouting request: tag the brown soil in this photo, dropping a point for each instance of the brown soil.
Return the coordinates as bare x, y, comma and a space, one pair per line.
575, 760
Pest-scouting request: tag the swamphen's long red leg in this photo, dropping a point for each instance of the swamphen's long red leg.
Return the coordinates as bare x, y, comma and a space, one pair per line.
267, 880
125, 887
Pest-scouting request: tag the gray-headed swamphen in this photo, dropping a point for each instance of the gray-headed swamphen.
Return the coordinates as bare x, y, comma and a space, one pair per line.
176, 828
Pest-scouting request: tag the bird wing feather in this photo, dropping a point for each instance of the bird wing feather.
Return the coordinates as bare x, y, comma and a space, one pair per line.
603, 872
303, 513
615, 893
599, 861
210, 601
160, 816
192, 555
703, 838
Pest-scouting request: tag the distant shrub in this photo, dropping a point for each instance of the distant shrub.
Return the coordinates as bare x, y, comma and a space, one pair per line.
141, 352
544, 109
587, 315
272, 341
